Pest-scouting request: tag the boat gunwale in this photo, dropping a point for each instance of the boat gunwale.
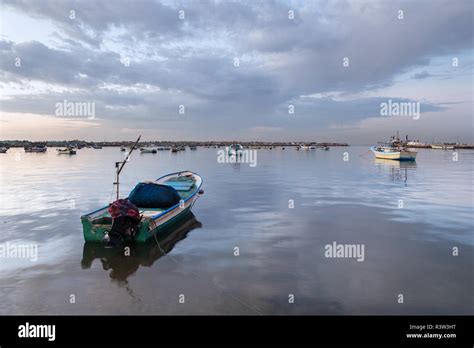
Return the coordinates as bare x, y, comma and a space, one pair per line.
374, 149
164, 212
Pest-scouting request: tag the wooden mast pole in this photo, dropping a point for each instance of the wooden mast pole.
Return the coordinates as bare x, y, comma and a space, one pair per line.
120, 165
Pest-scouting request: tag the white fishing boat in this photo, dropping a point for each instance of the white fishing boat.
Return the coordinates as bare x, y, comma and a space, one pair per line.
393, 150
307, 147
235, 150
66, 151
389, 152
442, 147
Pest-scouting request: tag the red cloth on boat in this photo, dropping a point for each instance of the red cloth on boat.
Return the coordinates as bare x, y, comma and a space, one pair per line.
123, 207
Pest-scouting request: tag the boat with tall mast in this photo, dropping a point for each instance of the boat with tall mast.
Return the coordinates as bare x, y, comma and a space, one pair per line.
394, 149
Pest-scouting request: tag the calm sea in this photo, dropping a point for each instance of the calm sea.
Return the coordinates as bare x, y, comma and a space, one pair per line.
256, 243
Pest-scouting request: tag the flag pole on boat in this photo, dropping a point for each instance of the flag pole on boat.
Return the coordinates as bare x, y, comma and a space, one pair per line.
120, 165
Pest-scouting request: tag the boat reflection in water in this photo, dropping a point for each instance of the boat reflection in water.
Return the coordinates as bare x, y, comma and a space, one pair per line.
398, 169
123, 264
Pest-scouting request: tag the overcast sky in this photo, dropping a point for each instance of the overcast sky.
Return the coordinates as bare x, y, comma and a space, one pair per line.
236, 67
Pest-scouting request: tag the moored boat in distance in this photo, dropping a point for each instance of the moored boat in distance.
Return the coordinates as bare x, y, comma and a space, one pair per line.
307, 147
393, 150
442, 147
66, 151
36, 149
175, 149
147, 150
3, 149
391, 153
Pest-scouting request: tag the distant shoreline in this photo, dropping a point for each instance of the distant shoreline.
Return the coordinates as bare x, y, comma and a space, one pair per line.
213, 143
66, 143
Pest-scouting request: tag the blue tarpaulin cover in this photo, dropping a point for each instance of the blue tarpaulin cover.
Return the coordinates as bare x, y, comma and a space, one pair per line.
150, 195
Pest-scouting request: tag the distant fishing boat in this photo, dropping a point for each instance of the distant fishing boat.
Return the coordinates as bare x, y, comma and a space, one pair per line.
442, 147
37, 149
437, 147
307, 147
193, 148
147, 150
66, 151
163, 148
97, 147
393, 150
235, 150
3, 149
325, 148
123, 149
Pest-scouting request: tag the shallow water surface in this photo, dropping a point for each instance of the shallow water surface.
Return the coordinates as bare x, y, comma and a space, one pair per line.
280, 215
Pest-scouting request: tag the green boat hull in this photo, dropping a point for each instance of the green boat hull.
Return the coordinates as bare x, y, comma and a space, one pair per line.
97, 225
96, 233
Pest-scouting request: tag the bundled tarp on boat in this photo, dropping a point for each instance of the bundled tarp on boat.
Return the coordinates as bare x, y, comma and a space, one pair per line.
151, 195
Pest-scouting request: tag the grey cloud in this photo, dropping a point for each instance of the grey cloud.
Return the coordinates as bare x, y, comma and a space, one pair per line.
421, 75
187, 62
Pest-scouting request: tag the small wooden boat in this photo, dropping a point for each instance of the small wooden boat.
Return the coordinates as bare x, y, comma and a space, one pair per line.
66, 151
147, 150
96, 225
3, 149
36, 149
